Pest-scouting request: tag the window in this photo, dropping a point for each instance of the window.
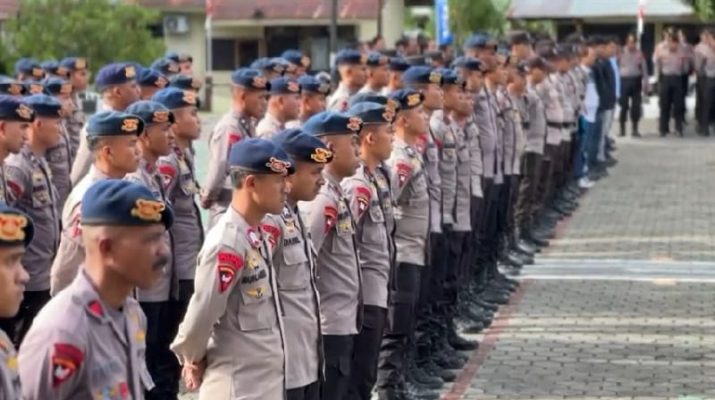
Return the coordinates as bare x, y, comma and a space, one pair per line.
247, 52
223, 57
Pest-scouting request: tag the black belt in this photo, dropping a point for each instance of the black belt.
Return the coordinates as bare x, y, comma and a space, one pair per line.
558, 125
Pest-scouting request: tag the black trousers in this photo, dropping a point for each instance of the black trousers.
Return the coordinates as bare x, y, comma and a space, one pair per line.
338, 363
544, 189
526, 198
458, 244
708, 107
433, 275
631, 100
699, 99
309, 392
671, 101
366, 352
16, 327
399, 333
471, 265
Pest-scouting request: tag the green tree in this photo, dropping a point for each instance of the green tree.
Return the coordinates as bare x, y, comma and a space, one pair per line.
101, 30
704, 8
468, 16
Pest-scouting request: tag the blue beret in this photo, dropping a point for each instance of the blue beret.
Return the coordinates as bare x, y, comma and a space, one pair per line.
123, 203
33, 87
478, 41
367, 97
373, 113
173, 98
185, 82
284, 85
151, 112
15, 109
151, 77
54, 68
313, 85
29, 66
258, 63
332, 123
260, 156
375, 59
178, 57
398, 64
303, 147
469, 63
44, 105
350, 57
166, 66
296, 57
16, 227
451, 77
114, 123
277, 64
407, 98
116, 74
11, 86
74, 63
250, 78
421, 75
56, 86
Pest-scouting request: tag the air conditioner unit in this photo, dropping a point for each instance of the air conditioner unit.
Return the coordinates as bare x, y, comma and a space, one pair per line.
176, 24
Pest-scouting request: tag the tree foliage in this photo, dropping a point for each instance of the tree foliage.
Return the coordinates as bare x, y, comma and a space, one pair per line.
101, 30
468, 16
704, 8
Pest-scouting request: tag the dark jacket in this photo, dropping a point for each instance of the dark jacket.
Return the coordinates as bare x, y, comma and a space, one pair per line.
605, 84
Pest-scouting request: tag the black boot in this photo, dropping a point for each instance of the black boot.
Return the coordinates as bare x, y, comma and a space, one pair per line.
622, 132
635, 133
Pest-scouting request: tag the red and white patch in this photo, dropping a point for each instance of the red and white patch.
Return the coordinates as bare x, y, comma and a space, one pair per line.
15, 188
233, 138
95, 308
362, 196
228, 265
274, 233
404, 171
421, 144
66, 360
254, 238
331, 217
168, 173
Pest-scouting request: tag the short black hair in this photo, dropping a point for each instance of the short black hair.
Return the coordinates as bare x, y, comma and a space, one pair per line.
518, 37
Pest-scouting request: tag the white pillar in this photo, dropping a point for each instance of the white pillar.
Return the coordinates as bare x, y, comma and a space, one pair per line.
393, 17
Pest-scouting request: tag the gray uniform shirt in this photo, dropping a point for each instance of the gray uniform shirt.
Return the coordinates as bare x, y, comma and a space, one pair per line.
430, 161
83, 158
475, 156
550, 96
462, 217
147, 176
268, 126
446, 144
536, 132
631, 63
371, 205
486, 118
673, 62
9, 376
30, 182
412, 210
332, 228
59, 159
231, 128
520, 121
80, 349
70, 254
338, 101
294, 261
181, 187
74, 124
233, 318
507, 123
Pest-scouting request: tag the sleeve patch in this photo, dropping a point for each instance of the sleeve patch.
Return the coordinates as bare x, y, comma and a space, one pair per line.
331, 217
363, 196
274, 233
234, 137
229, 264
168, 173
403, 172
15, 188
66, 360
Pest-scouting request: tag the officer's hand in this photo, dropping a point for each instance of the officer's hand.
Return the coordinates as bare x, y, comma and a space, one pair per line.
193, 374
205, 202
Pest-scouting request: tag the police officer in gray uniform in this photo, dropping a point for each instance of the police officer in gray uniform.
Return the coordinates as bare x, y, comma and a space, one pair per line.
78, 77
705, 66
351, 67
408, 177
112, 138
59, 157
397, 68
283, 106
377, 73
156, 302
671, 64
313, 95
232, 342
89, 341
16, 234
294, 261
248, 105
634, 79
370, 198
29, 180
332, 228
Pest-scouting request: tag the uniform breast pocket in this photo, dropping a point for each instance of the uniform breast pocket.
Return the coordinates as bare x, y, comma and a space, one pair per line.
295, 273
463, 154
432, 154
374, 231
449, 152
342, 242
254, 313
41, 195
188, 185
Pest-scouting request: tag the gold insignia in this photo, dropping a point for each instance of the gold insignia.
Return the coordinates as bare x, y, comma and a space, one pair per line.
278, 166
80, 63
66, 88
305, 61
62, 71
12, 227
36, 88
259, 82
14, 89
392, 104
389, 114
435, 77
140, 336
293, 87
414, 100
130, 71
254, 259
161, 82
24, 112
321, 155
354, 124
130, 124
12, 363
257, 292
38, 72
324, 88
148, 210
189, 97
160, 116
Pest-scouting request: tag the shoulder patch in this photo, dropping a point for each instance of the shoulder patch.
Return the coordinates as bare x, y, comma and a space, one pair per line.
362, 196
15, 188
274, 233
66, 360
228, 264
167, 172
234, 137
403, 170
331, 217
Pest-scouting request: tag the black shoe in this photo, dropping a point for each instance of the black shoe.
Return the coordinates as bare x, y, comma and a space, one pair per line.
495, 297
525, 259
511, 260
459, 343
610, 162
635, 133
448, 362
486, 304
392, 394
538, 240
524, 247
414, 392
421, 379
680, 133
433, 369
